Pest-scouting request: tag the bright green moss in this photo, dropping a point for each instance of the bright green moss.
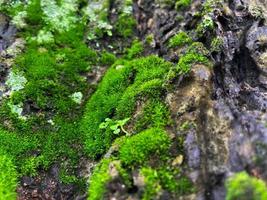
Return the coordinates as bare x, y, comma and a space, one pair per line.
182, 4
180, 39
157, 180
137, 149
242, 187
117, 94
196, 53
98, 181
135, 50
154, 114
107, 59
8, 178
152, 183
186, 61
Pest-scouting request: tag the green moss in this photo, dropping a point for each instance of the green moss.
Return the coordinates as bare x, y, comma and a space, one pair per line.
180, 39
8, 178
154, 114
205, 25
135, 50
99, 179
216, 44
157, 180
242, 186
107, 59
123, 84
152, 183
125, 26
182, 4
185, 63
137, 149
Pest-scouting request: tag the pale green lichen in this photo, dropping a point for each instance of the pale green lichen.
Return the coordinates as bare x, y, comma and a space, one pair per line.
16, 81
44, 37
77, 97
60, 18
17, 109
19, 19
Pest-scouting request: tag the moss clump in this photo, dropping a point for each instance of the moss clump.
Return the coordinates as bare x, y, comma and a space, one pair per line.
242, 186
186, 61
137, 149
135, 50
216, 44
99, 179
154, 114
182, 4
206, 24
180, 39
116, 97
195, 53
125, 25
157, 180
8, 178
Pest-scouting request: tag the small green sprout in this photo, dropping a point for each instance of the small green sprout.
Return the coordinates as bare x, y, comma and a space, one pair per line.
115, 126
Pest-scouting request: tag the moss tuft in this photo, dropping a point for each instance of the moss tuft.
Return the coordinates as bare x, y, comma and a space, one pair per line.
8, 178
124, 83
242, 186
99, 179
136, 149
180, 39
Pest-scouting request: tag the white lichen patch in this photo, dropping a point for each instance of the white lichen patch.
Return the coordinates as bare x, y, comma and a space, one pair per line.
16, 81
17, 109
77, 97
60, 18
19, 19
44, 37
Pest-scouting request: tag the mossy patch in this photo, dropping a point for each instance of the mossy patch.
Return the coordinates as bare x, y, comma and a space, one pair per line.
136, 150
8, 178
180, 39
243, 186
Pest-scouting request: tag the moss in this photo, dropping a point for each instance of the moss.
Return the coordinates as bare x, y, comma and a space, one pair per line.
216, 44
117, 94
242, 186
99, 179
125, 26
135, 50
107, 59
136, 150
180, 39
186, 61
8, 178
154, 114
152, 184
182, 4
158, 180
205, 25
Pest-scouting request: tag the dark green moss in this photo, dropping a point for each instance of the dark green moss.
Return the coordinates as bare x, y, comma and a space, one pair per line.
125, 26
